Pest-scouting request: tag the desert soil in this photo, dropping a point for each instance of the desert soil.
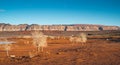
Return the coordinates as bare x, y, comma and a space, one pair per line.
94, 52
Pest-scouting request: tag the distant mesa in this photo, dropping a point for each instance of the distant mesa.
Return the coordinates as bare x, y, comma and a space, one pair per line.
72, 27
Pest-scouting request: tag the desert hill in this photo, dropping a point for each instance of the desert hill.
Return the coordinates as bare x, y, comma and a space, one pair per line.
72, 27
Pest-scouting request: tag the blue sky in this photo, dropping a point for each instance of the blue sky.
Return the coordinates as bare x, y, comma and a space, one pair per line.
106, 12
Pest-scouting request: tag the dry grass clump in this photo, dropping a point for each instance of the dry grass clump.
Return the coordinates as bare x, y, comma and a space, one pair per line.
81, 38
39, 40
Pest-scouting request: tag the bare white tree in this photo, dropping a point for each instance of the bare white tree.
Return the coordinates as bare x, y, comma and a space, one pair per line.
39, 40
7, 48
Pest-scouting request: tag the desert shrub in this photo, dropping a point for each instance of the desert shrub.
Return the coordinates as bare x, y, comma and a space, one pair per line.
39, 40
81, 38
51, 37
75, 39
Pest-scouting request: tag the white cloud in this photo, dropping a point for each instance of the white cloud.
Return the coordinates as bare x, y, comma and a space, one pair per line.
2, 10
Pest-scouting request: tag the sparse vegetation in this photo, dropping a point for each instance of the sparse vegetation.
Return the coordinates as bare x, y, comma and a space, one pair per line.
7, 48
39, 40
81, 38
60, 52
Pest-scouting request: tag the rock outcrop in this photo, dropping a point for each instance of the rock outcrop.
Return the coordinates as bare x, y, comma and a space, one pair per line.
75, 27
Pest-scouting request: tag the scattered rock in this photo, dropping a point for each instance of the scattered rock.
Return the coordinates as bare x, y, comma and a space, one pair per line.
94, 54
47, 52
59, 53
77, 50
80, 60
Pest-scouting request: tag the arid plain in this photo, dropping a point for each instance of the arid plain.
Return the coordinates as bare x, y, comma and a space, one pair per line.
101, 48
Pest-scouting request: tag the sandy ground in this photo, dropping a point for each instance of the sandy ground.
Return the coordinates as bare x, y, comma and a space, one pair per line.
94, 52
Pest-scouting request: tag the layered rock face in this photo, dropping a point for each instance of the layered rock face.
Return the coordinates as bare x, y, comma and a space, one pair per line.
80, 27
